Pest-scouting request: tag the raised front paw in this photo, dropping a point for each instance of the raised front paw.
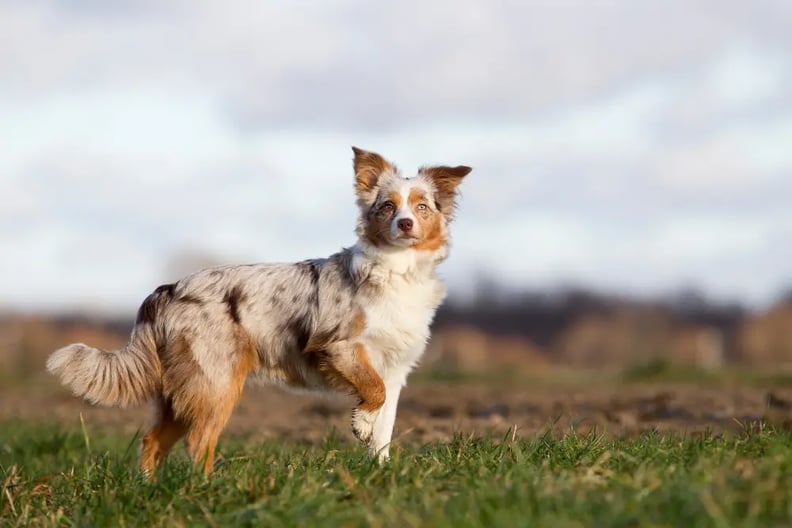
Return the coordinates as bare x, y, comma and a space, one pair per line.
363, 425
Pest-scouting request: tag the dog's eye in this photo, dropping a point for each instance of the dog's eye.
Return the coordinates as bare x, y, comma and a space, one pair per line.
387, 207
422, 207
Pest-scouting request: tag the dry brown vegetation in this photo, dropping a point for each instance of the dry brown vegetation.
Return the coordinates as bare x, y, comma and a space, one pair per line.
621, 369
520, 333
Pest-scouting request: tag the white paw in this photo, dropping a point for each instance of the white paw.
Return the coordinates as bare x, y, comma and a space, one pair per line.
381, 454
363, 425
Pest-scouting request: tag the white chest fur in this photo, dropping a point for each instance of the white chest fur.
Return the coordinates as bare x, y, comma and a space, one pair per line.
398, 319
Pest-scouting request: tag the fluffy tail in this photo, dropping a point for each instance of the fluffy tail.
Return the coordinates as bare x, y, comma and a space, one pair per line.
123, 377
118, 378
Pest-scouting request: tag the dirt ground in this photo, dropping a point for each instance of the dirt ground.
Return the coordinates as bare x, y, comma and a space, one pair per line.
431, 411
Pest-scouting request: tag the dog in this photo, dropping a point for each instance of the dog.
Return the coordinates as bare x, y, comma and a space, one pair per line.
357, 322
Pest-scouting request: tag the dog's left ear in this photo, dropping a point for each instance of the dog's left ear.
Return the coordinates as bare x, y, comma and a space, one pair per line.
446, 180
369, 166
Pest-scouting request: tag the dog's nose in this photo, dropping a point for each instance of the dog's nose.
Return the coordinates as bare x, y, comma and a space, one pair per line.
405, 224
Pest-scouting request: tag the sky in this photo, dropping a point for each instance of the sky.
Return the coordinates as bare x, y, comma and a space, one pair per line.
630, 146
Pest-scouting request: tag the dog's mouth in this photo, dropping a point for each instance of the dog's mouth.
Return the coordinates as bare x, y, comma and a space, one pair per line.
403, 239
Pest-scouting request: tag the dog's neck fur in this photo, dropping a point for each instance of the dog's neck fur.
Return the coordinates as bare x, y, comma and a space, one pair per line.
384, 262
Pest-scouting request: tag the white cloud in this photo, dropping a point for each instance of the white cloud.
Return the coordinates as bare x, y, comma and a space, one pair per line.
744, 75
605, 151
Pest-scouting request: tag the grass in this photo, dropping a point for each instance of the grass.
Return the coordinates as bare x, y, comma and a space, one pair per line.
50, 476
655, 370
662, 371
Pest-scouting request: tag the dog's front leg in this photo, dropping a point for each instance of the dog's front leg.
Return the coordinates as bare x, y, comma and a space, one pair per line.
379, 445
346, 366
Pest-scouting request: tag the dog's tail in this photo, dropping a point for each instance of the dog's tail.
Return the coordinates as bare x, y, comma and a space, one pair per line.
123, 377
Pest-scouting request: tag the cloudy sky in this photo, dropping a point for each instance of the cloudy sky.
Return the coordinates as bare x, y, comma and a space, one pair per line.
631, 145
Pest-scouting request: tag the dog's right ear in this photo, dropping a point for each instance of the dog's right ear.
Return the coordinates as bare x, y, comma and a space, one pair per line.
369, 166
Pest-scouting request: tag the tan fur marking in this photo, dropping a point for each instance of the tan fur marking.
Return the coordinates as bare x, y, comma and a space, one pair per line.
246, 360
201, 442
396, 198
332, 375
432, 236
367, 381
157, 443
368, 167
446, 180
358, 324
350, 370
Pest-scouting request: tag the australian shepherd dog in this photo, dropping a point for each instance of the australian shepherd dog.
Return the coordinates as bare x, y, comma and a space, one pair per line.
356, 321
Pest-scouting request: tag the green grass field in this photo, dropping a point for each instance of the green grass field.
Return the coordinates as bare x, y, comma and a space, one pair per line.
50, 476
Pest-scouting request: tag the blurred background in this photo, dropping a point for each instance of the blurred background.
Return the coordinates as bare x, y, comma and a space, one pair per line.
629, 211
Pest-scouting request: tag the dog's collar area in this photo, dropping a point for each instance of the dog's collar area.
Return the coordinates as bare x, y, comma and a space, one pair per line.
402, 262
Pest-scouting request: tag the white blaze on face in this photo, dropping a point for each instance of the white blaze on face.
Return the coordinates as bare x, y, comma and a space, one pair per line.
404, 212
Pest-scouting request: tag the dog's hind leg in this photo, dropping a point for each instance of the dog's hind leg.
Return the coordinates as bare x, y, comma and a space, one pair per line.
202, 441
157, 443
206, 427
209, 417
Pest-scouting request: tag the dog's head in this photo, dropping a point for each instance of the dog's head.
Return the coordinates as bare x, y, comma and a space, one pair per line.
397, 212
